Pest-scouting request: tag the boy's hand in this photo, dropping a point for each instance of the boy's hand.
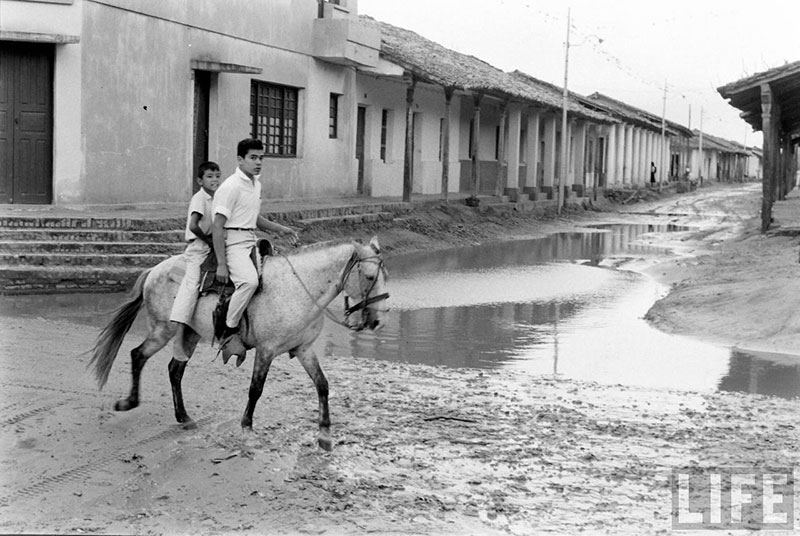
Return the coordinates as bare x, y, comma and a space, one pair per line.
292, 235
222, 275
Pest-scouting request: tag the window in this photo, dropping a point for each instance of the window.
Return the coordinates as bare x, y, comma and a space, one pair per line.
384, 132
273, 118
333, 116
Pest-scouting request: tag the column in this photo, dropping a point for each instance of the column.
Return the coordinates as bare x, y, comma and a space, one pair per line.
620, 156
611, 158
549, 153
579, 155
628, 154
636, 156
532, 151
512, 150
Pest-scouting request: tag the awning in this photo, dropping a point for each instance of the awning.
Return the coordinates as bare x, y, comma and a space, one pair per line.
34, 37
220, 67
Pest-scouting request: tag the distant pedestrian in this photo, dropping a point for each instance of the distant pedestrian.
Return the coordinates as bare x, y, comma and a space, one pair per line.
199, 244
653, 170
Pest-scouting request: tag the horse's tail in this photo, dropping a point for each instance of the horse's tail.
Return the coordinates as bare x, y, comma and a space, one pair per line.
110, 339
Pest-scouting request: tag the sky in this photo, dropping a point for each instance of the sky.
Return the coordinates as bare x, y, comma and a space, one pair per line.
626, 49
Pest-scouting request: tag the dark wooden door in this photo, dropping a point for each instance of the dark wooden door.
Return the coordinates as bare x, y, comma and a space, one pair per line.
202, 92
26, 123
360, 128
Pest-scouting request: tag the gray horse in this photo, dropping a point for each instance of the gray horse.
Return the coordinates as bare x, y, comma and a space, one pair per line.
285, 316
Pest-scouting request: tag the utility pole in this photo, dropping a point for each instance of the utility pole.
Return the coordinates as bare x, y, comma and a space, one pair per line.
663, 138
564, 137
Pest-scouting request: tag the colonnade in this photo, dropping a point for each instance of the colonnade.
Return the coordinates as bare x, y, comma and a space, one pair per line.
628, 152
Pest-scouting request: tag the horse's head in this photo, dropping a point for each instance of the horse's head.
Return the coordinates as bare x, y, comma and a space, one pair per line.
365, 283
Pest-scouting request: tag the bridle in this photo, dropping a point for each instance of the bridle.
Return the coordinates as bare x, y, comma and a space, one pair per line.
366, 299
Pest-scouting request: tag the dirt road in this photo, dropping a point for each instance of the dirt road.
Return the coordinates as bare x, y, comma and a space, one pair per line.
417, 449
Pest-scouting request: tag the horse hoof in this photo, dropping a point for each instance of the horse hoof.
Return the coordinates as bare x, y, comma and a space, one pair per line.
124, 405
188, 424
324, 442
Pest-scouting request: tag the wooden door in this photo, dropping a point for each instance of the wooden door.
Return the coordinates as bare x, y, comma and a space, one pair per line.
360, 133
202, 92
26, 123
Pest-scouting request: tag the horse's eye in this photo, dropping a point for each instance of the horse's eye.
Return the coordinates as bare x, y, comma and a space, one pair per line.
370, 277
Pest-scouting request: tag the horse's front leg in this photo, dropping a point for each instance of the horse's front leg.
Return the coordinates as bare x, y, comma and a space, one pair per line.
260, 369
309, 360
188, 341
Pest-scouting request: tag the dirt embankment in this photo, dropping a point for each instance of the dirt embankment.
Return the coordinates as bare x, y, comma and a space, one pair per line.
417, 449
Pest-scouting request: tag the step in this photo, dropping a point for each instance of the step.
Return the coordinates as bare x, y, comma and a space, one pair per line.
61, 279
352, 219
81, 259
122, 248
86, 222
89, 235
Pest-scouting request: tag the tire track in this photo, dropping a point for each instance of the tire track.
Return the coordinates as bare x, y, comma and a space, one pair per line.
28, 414
97, 394
81, 472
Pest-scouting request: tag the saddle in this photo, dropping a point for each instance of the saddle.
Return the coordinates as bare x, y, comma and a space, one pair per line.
209, 283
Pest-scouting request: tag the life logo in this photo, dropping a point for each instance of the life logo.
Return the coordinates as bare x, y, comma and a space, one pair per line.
732, 498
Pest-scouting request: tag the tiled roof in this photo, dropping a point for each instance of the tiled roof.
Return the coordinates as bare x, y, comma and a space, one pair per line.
631, 114
432, 63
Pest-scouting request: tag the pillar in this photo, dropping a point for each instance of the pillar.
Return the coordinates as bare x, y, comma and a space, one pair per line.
636, 156
611, 158
512, 171
532, 169
628, 154
549, 152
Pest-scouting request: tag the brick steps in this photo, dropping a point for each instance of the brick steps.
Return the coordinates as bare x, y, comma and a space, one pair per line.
352, 219
29, 279
51, 254
82, 260
34, 234
22, 247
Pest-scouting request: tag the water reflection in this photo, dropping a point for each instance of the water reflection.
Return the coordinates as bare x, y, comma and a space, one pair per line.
762, 373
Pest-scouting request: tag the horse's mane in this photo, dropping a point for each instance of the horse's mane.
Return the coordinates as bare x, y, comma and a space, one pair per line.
308, 248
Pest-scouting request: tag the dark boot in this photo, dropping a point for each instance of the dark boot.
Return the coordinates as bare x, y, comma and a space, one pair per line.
232, 345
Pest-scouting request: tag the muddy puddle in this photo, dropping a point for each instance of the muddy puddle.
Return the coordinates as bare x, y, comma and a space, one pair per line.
561, 305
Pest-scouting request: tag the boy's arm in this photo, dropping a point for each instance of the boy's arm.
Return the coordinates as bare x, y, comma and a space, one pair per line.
218, 234
194, 226
266, 225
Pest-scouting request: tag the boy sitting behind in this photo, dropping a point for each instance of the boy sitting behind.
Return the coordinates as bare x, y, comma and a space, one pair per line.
198, 236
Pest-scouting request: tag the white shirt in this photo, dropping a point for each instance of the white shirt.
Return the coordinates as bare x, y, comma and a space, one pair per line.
200, 203
239, 199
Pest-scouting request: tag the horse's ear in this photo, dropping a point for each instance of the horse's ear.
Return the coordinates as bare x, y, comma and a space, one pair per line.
374, 244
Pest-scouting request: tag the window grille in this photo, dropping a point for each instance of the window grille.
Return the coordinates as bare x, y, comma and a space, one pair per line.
273, 118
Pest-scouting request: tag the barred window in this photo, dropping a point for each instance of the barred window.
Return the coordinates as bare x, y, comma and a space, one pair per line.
384, 132
333, 116
273, 118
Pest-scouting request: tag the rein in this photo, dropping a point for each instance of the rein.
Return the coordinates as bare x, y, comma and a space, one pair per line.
365, 302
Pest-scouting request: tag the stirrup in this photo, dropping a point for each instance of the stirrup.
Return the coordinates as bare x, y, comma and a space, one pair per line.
233, 345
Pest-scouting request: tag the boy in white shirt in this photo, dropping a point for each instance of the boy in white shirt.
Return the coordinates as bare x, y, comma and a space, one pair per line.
237, 204
199, 221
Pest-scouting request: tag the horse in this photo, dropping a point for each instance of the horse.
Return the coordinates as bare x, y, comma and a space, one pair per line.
286, 315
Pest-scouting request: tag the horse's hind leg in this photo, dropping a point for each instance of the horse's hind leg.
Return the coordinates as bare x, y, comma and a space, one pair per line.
176, 368
154, 342
310, 363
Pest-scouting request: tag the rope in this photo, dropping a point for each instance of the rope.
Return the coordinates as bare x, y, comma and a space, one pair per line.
324, 309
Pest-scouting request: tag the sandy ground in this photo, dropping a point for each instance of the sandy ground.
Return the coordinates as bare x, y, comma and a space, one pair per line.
417, 449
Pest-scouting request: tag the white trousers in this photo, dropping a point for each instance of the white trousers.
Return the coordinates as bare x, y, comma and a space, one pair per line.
242, 272
186, 299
